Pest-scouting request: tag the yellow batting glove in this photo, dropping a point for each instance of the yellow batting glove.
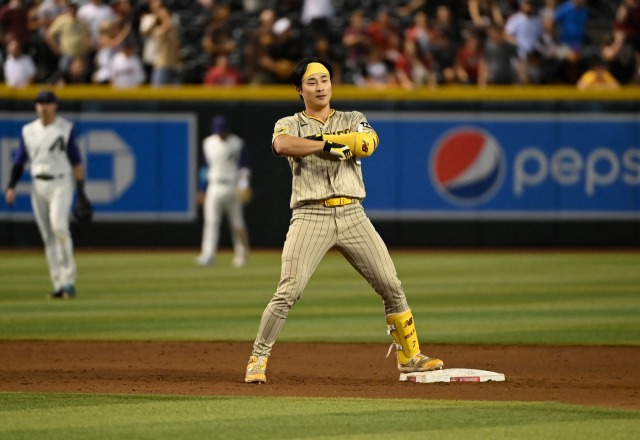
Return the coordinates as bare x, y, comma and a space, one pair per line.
342, 151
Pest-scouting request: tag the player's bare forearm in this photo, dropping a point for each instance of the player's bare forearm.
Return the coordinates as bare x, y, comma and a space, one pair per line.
78, 172
10, 196
293, 146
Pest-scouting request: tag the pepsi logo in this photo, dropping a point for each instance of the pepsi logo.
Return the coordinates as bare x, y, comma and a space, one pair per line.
467, 166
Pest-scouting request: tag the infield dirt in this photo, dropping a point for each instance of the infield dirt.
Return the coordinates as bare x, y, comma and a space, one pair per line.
586, 375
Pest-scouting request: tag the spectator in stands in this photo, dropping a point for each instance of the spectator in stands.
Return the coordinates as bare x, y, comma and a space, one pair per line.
401, 66
443, 52
32, 16
123, 11
258, 47
94, 14
628, 22
572, 16
524, 29
626, 34
356, 41
375, 72
534, 68
380, 30
75, 74
68, 37
49, 11
484, 13
149, 43
418, 33
468, 59
444, 22
412, 6
126, 67
217, 39
112, 36
164, 34
317, 14
14, 21
322, 51
251, 6
222, 74
420, 73
621, 62
547, 15
497, 64
19, 69
104, 54
598, 78
283, 54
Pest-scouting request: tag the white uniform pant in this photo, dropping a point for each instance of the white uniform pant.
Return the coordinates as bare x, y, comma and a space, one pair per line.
51, 201
221, 198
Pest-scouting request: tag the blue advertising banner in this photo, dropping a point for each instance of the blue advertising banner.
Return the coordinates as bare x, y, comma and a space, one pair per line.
138, 166
504, 166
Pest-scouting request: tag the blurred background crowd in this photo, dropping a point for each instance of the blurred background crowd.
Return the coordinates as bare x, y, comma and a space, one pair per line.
375, 43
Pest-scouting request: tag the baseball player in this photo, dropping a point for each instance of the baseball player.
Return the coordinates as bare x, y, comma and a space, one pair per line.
227, 189
50, 144
323, 147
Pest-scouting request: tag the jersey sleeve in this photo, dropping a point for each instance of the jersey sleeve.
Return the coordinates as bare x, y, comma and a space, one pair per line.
284, 127
73, 151
357, 118
20, 158
244, 158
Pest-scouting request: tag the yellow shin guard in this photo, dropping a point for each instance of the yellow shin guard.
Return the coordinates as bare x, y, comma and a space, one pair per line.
403, 329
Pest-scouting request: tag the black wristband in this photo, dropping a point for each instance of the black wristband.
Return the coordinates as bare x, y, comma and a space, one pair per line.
16, 174
328, 145
80, 186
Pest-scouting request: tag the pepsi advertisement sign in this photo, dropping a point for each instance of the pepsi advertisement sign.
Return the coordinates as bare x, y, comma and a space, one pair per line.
504, 166
138, 167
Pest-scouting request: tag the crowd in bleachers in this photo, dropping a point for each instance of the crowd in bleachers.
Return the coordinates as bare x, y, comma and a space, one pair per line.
375, 43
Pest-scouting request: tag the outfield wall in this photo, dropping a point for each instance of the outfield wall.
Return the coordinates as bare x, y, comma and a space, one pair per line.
461, 167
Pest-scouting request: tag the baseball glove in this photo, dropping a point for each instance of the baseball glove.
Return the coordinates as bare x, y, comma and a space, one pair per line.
83, 211
244, 195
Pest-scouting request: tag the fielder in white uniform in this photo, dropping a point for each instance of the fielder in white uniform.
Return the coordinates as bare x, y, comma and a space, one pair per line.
227, 189
50, 144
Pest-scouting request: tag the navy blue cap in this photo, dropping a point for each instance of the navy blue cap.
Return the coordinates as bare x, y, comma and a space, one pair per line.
46, 96
219, 125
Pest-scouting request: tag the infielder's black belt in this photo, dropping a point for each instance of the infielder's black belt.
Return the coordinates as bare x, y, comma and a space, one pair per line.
334, 201
48, 176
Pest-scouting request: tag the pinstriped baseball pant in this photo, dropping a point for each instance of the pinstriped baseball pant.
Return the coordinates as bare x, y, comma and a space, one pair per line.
314, 230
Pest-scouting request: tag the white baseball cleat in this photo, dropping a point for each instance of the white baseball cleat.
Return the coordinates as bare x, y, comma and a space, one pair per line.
204, 261
239, 261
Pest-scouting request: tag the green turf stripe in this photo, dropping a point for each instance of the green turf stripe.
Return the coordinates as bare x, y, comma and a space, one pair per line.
24, 415
533, 298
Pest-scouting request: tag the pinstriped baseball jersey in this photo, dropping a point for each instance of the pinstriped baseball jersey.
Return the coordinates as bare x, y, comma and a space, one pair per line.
321, 176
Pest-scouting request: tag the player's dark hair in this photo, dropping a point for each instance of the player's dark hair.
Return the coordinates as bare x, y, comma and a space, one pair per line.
301, 68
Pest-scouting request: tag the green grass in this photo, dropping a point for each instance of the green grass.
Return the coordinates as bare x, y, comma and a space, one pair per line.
547, 298
84, 416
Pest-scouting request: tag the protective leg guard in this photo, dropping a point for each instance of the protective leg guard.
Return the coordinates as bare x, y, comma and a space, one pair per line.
403, 330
